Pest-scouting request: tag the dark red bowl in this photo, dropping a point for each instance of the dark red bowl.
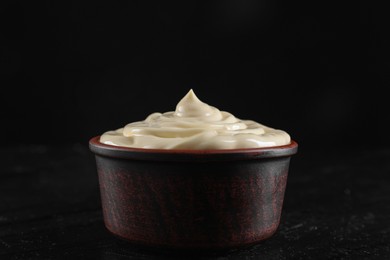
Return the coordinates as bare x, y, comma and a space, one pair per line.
192, 199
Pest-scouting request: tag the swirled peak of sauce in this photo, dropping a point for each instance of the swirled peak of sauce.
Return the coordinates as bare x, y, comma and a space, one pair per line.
195, 125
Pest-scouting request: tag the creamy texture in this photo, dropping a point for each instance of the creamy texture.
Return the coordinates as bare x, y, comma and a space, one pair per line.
197, 126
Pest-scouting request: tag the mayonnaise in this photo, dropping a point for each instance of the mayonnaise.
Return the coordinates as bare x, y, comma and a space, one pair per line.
197, 126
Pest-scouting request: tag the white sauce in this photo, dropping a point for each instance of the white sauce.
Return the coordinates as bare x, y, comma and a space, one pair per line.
196, 126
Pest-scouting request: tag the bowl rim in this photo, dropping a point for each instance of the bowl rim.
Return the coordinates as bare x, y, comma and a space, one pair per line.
121, 152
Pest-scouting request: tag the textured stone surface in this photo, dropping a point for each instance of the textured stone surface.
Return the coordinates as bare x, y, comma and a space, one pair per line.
337, 206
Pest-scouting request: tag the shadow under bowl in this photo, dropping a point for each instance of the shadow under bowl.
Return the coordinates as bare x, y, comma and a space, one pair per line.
192, 199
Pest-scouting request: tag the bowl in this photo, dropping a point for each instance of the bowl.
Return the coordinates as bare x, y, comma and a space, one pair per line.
192, 199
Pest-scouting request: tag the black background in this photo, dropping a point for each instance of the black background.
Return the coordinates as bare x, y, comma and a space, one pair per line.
70, 70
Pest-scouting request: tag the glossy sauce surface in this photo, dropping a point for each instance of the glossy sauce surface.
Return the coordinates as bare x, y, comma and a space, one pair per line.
195, 125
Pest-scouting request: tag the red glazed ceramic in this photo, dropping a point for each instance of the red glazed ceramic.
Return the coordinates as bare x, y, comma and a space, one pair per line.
192, 199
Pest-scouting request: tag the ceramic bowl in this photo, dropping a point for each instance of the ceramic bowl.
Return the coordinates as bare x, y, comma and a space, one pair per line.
192, 199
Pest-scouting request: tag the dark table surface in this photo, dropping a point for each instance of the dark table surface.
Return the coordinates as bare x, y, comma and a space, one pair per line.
337, 206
